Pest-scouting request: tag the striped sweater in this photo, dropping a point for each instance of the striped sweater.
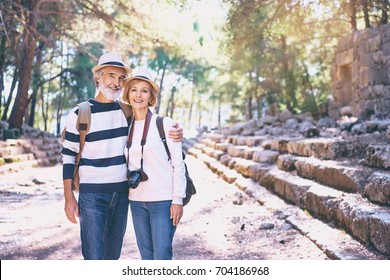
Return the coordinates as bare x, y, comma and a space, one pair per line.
102, 164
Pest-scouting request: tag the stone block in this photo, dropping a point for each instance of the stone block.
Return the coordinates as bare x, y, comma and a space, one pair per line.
265, 156
321, 202
386, 49
236, 151
346, 217
378, 187
378, 57
364, 76
291, 188
379, 75
385, 33
344, 58
279, 145
225, 159
286, 162
223, 146
13, 133
242, 166
379, 231
378, 156
258, 171
373, 44
334, 174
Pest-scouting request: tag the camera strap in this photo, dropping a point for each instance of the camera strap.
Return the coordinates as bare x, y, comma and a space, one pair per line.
143, 140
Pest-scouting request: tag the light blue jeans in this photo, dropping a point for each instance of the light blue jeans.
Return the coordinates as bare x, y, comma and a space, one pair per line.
103, 221
153, 228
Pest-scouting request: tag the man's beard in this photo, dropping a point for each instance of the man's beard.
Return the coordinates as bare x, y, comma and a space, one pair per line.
107, 92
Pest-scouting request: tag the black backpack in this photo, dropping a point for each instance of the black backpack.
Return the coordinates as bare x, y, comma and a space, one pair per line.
190, 188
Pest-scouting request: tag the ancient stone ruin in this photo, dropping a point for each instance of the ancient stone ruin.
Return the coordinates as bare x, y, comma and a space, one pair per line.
361, 74
32, 148
336, 168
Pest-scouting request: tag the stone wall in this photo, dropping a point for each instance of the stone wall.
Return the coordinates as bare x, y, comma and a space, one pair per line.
361, 73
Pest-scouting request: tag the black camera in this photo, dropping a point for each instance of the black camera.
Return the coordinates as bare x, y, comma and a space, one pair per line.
134, 177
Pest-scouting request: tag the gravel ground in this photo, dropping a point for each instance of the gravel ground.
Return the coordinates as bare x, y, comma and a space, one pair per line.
220, 223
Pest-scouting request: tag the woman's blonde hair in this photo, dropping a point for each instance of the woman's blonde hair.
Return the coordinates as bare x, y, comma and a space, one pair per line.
125, 93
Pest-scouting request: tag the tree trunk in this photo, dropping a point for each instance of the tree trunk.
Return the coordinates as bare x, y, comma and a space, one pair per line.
199, 111
249, 114
11, 92
191, 104
353, 15
36, 78
44, 108
171, 101
16, 117
366, 14
285, 67
219, 110
385, 10
159, 96
2, 59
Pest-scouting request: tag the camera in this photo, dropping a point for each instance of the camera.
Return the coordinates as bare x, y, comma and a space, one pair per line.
134, 177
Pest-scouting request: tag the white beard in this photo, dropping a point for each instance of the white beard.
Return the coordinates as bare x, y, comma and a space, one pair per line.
107, 92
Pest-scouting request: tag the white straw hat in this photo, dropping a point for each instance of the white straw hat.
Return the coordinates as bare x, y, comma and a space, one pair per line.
144, 75
111, 59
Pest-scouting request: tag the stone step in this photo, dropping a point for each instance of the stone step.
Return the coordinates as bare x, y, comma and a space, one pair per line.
50, 147
378, 155
11, 150
16, 166
364, 220
334, 242
250, 141
19, 158
344, 176
49, 161
39, 154
331, 148
368, 222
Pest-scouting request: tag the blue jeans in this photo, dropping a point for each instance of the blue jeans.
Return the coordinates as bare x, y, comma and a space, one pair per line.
153, 229
103, 221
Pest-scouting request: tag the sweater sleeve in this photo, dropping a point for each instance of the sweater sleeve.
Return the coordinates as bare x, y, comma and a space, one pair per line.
70, 145
179, 178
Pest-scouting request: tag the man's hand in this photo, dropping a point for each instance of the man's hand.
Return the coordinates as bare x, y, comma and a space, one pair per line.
71, 206
176, 133
176, 213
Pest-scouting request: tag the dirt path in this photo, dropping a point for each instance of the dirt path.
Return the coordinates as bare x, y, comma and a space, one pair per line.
219, 222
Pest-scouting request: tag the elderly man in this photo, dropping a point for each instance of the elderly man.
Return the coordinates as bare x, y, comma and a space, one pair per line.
103, 190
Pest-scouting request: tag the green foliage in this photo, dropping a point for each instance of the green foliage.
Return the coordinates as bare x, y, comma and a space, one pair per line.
80, 78
259, 53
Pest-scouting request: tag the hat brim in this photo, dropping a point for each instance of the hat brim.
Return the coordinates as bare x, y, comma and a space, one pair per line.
127, 69
153, 84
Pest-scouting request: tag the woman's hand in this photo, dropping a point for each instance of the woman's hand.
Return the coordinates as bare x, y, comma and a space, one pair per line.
176, 213
176, 133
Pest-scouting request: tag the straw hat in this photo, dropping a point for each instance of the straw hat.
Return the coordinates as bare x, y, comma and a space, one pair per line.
144, 75
111, 59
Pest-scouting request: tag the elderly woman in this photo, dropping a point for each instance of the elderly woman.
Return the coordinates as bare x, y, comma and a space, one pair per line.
157, 185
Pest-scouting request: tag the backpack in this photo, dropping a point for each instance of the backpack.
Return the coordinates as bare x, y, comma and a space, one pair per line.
83, 124
190, 187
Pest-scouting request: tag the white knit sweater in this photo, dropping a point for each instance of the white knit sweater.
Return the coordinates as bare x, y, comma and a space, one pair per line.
167, 179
